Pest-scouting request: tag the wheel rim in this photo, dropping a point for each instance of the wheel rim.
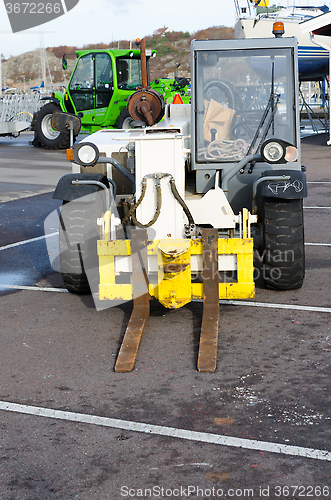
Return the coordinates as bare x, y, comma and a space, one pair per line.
127, 122
46, 128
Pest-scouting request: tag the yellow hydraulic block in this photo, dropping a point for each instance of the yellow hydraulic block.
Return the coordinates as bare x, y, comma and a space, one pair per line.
174, 273
175, 288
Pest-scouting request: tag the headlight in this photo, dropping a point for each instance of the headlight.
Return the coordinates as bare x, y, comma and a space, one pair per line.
278, 151
85, 153
273, 152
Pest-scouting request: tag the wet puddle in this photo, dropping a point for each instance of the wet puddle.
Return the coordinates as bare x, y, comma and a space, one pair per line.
10, 280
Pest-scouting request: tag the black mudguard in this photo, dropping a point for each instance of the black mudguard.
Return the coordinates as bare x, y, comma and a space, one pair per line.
51, 99
66, 191
291, 189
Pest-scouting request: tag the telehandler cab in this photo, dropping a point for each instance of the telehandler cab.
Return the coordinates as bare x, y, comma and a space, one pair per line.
173, 210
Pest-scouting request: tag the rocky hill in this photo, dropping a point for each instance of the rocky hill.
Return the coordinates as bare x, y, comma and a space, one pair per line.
172, 48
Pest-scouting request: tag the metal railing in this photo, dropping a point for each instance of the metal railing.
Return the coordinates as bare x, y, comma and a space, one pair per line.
19, 107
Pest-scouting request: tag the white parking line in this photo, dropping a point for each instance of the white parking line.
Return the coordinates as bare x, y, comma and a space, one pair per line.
317, 207
34, 288
31, 240
160, 430
275, 306
227, 302
318, 182
222, 301
319, 244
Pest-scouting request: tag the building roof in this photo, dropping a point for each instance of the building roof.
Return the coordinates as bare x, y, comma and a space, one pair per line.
163, 30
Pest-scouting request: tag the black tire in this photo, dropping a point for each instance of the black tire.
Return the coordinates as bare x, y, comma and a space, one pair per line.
125, 120
79, 233
45, 136
283, 248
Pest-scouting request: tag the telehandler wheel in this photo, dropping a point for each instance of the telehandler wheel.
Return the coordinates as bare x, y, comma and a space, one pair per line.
45, 135
79, 233
283, 249
125, 120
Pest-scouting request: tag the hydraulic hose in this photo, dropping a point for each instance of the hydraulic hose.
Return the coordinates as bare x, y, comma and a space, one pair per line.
181, 201
136, 205
131, 212
157, 211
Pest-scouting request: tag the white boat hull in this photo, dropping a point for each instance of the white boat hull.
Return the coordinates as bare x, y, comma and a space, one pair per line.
313, 59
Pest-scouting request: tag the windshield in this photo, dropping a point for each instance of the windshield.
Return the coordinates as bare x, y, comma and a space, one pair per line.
128, 73
242, 98
82, 77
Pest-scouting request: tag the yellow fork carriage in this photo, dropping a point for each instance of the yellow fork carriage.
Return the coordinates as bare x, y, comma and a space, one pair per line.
169, 263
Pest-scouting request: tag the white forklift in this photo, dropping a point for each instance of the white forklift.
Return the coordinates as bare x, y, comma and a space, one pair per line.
173, 208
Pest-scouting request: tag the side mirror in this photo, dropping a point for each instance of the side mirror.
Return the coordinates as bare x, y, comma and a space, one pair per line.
66, 121
64, 62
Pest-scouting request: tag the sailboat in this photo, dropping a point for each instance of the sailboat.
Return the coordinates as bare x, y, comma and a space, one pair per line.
255, 20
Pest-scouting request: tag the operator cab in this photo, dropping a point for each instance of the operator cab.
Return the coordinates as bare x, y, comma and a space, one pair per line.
244, 93
96, 79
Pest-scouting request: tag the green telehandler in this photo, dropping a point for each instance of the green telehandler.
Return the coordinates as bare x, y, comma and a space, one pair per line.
100, 85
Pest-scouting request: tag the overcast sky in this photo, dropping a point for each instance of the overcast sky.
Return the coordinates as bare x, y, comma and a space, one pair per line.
96, 21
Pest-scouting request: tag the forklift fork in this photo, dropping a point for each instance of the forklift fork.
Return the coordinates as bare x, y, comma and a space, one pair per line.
131, 342
207, 357
209, 331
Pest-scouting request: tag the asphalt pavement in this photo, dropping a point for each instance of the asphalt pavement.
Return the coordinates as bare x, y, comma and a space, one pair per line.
259, 427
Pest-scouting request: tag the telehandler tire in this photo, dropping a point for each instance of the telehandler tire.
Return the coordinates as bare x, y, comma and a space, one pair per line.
44, 134
125, 120
78, 234
283, 248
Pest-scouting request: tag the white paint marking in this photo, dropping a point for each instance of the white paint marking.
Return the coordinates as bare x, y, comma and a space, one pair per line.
318, 182
222, 301
317, 207
34, 288
203, 437
199, 464
275, 306
31, 240
318, 244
